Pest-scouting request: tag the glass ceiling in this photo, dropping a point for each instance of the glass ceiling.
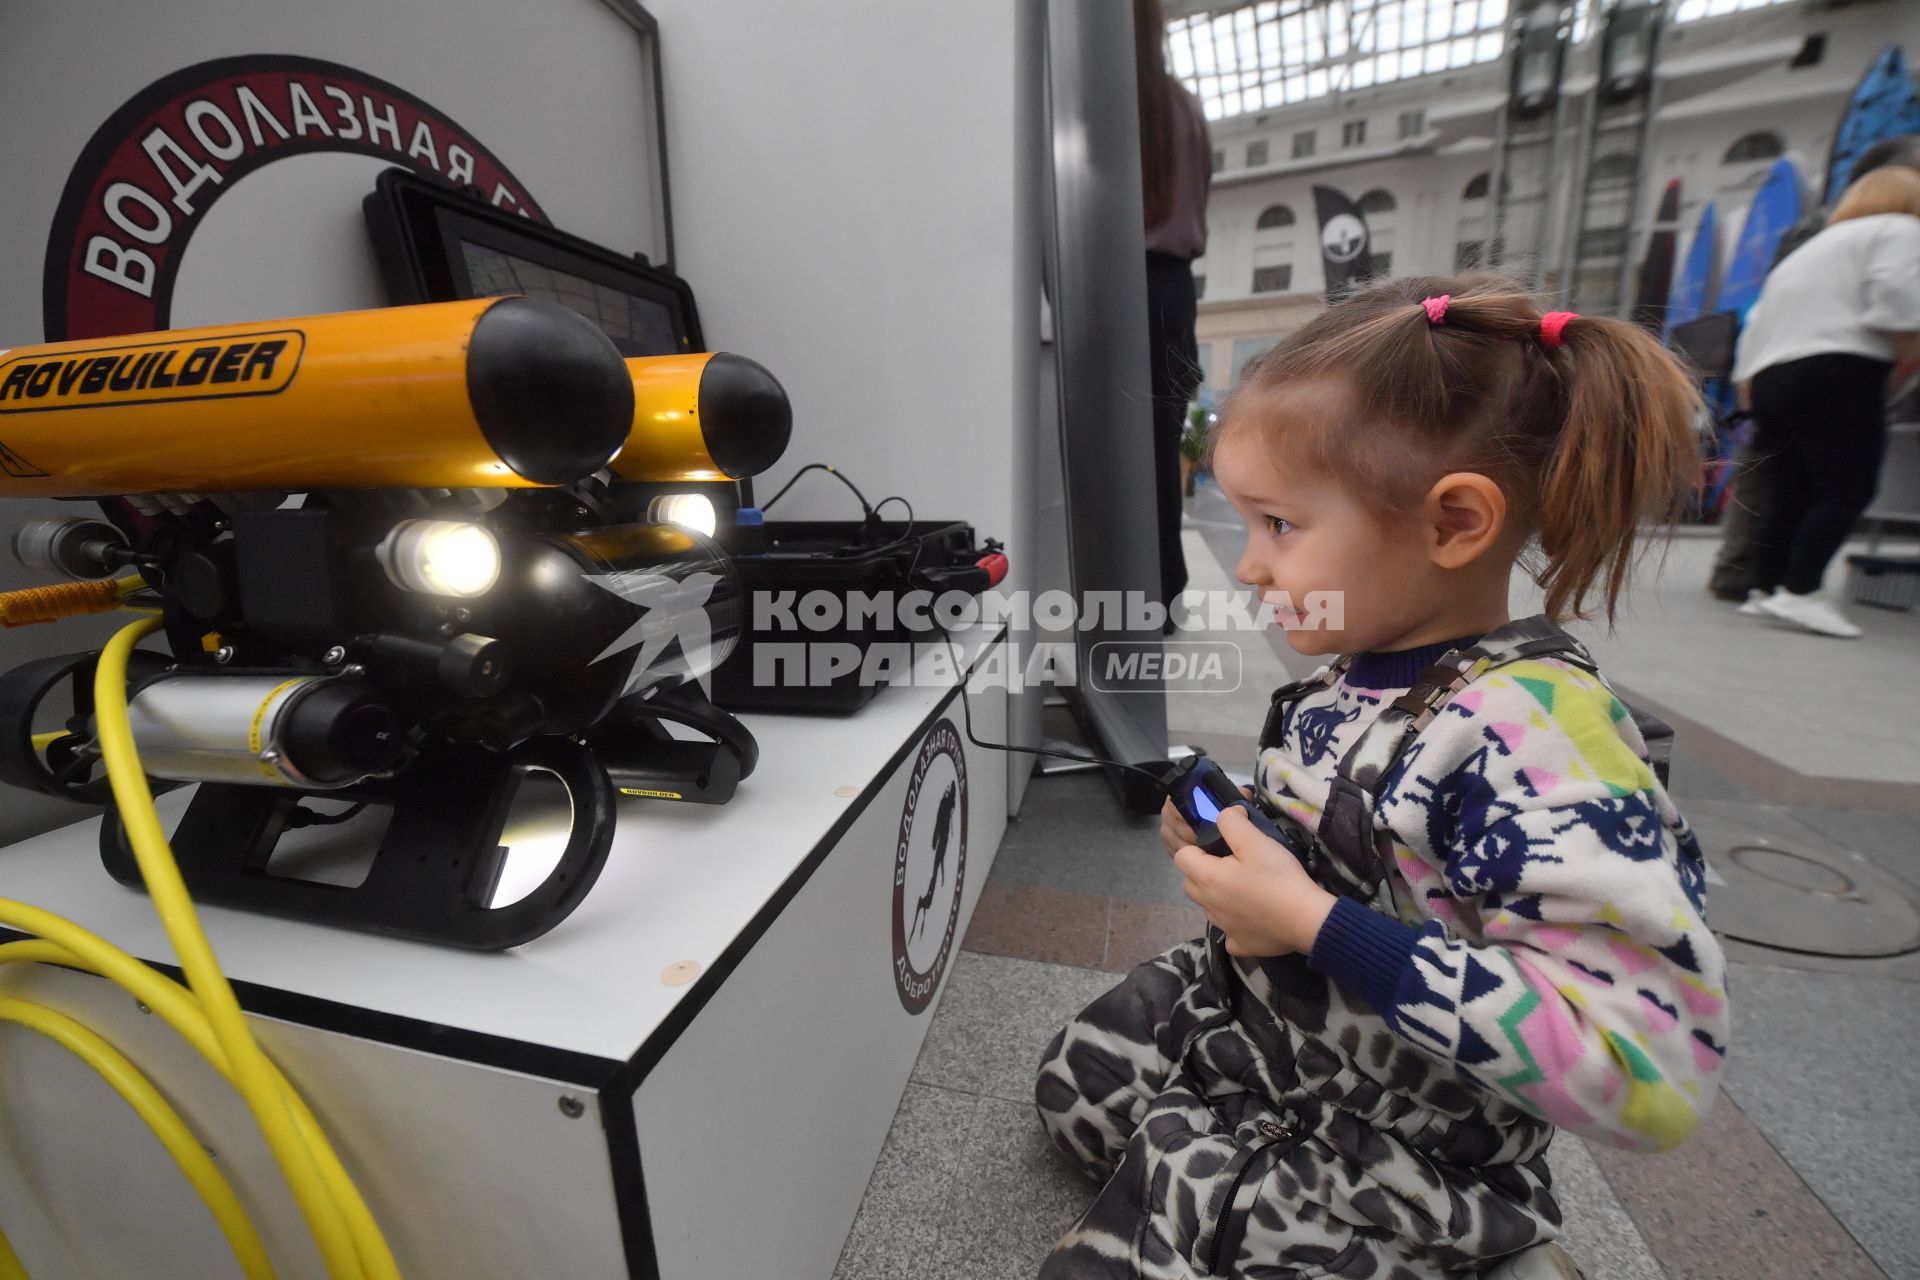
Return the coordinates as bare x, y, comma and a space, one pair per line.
1287, 51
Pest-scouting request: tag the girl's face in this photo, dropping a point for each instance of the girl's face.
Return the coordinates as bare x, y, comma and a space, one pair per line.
1341, 578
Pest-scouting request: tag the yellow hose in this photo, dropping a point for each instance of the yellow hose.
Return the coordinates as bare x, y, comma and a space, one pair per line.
160, 1116
206, 1012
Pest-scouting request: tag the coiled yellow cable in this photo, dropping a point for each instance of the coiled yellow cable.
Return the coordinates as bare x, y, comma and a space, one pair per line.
129, 1083
205, 1012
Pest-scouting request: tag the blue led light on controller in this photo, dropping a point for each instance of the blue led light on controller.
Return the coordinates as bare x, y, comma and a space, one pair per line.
1201, 790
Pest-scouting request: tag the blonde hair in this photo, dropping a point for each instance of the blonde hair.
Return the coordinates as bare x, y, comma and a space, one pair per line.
1891, 189
1587, 436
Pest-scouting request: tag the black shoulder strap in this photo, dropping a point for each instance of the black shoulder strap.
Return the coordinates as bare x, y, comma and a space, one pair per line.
1346, 824
1287, 694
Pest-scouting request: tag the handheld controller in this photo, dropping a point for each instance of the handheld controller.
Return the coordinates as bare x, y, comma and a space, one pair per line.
1201, 791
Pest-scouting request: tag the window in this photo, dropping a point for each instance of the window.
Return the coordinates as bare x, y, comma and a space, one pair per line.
1612, 171
1303, 143
1256, 153
1603, 242
1754, 146
1476, 188
1273, 279
1262, 54
1694, 10
1246, 351
1413, 123
1377, 207
1353, 133
1468, 255
1219, 159
1274, 215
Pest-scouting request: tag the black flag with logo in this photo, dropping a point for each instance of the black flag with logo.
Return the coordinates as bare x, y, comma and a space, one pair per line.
1344, 242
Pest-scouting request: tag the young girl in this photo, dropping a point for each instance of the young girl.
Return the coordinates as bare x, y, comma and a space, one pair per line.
1495, 928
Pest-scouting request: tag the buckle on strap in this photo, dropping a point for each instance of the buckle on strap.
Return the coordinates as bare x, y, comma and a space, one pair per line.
1435, 688
1287, 694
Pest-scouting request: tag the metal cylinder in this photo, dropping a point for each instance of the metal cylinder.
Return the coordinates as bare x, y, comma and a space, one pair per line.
588, 618
687, 606
310, 732
495, 392
68, 547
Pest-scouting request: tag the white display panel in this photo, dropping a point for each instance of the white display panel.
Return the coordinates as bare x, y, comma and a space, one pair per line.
818, 989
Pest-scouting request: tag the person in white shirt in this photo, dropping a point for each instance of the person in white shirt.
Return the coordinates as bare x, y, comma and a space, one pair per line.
1833, 320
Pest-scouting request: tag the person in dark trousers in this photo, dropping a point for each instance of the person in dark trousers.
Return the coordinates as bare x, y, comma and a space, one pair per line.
1833, 321
1733, 567
1175, 168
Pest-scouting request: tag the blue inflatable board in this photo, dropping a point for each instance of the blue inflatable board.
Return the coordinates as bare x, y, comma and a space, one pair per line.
1883, 106
1693, 287
1774, 211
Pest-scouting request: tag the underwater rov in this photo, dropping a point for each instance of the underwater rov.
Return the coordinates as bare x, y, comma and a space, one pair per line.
470, 588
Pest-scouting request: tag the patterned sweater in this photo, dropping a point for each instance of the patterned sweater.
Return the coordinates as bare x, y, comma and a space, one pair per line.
1549, 941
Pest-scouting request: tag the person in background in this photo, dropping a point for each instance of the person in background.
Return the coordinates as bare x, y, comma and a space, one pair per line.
1733, 564
1833, 321
1175, 167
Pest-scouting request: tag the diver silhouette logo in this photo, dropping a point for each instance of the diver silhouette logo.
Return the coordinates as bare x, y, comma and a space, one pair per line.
942, 829
930, 867
669, 609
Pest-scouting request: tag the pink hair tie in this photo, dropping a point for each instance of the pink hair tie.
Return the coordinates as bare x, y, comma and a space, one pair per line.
1553, 324
1436, 307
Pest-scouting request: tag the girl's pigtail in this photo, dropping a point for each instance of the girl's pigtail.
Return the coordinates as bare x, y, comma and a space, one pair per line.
1628, 453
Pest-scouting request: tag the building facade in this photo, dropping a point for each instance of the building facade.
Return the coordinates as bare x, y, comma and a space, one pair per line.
1736, 91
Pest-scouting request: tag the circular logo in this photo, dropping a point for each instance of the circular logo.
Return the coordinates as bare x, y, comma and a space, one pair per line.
1343, 238
146, 179
929, 866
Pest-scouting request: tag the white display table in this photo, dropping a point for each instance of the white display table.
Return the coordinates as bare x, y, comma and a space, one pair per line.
692, 1076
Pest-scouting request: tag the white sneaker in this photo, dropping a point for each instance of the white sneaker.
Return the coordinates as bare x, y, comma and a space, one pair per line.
1756, 605
1810, 611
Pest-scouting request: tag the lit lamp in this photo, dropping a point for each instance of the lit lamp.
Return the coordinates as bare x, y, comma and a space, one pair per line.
440, 558
688, 510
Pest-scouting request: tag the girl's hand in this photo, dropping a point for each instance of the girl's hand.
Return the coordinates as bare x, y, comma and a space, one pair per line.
1261, 897
1174, 831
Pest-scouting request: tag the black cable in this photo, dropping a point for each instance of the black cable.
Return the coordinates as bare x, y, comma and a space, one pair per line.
904, 538
966, 715
966, 708
308, 818
865, 506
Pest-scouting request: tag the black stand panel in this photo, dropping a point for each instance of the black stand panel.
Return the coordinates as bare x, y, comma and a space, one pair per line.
437, 867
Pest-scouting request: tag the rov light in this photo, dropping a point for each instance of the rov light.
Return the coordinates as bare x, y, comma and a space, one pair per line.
440, 557
688, 510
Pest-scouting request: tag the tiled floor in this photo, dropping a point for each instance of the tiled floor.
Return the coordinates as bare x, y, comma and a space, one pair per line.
1806, 1168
